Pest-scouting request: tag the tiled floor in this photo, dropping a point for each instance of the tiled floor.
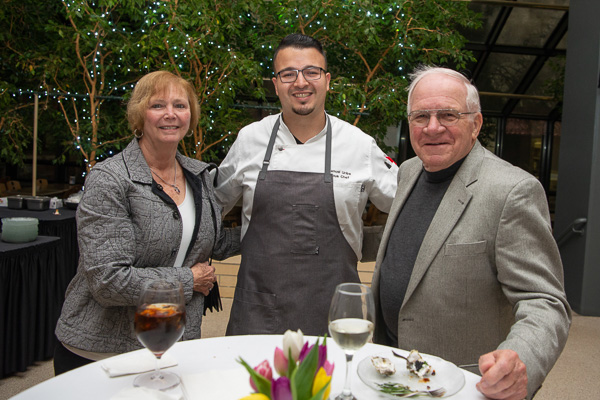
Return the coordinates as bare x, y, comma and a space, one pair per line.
226, 272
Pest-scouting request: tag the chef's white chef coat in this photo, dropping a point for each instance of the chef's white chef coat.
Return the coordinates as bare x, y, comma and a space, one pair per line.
360, 170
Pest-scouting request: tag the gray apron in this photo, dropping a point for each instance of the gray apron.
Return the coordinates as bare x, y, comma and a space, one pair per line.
293, 253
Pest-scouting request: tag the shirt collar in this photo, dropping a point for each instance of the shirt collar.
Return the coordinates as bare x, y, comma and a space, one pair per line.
289, 137
444, 174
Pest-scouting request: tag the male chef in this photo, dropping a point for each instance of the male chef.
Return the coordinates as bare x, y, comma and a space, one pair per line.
304, 177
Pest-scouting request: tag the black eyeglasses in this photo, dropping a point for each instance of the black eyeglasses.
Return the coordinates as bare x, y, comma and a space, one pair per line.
309, 73
446, 117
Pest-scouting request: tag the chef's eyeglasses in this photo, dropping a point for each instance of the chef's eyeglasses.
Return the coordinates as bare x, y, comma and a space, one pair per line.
309, 73
446, 117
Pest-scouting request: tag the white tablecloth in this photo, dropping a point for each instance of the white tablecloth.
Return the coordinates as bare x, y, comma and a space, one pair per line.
211, 361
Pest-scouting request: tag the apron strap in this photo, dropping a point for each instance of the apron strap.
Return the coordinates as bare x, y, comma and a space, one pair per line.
328, 178
263, 172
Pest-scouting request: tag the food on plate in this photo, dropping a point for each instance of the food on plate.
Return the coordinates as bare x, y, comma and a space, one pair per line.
383, 365
418, 366
395, 389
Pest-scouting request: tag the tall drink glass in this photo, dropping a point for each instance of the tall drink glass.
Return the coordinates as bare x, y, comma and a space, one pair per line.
351, 324
159, 323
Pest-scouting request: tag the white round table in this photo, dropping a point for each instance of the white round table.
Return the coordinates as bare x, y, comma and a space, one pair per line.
209, 356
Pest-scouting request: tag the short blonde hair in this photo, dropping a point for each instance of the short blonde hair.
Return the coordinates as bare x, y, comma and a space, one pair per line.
152, 84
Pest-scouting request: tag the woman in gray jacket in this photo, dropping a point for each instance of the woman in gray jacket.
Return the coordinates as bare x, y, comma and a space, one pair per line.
147, 212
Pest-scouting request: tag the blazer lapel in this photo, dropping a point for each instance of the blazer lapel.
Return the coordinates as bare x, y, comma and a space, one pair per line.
451, 208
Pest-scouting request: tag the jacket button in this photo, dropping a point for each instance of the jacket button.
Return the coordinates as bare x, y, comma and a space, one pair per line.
175, 215
159, 186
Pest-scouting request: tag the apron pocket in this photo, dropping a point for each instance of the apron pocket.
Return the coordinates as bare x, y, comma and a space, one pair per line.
252, 313
304, 220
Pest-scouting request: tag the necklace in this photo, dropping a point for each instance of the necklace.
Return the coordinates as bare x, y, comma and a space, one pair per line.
174, 186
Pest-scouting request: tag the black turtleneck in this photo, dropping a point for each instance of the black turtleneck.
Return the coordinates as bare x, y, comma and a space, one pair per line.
405, 241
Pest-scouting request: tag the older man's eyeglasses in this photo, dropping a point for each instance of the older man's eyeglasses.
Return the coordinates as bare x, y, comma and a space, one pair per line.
420, 118
310, 74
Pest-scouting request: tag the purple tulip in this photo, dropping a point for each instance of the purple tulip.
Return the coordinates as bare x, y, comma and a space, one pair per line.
280, 389
304, 352
322, 356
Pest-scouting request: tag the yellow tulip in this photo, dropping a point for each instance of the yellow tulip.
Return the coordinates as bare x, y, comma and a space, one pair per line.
321, 379
255, 396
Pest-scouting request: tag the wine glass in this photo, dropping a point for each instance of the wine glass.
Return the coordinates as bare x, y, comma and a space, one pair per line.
159, 323
351, 323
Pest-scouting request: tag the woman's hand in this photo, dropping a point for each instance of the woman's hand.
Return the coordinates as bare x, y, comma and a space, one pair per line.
204, 277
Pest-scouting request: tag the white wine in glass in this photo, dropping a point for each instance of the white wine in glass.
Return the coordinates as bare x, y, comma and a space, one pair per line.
159, 323
351, 324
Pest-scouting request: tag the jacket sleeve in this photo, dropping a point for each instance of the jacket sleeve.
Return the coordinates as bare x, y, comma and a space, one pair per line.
228, 244
531, 274
230, 177
106, 238
383, 182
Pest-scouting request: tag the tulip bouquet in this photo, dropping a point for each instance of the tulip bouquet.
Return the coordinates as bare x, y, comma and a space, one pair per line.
304, 372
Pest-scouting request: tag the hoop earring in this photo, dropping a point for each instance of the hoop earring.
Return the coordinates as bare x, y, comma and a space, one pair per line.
191, 133
136, 133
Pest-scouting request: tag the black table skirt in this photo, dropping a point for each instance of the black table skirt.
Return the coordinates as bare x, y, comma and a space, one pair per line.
62, 226
31, 296
47, 294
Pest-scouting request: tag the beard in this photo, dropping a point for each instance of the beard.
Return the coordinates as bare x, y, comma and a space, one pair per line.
303, 110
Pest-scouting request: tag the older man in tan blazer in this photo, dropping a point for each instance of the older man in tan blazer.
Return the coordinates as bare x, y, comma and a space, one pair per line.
468, 269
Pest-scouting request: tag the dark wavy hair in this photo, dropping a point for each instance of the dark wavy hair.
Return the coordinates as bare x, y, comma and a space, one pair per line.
299, 41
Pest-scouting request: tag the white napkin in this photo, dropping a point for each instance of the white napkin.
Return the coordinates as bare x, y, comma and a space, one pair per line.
230, 384
134, 363
140, 393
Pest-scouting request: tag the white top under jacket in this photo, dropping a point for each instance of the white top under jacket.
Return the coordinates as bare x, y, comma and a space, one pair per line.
360, 169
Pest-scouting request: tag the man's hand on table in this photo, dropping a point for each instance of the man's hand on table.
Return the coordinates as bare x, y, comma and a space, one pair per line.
503, 375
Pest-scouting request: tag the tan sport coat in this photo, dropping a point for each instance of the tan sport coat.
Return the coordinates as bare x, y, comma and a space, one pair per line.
488, 274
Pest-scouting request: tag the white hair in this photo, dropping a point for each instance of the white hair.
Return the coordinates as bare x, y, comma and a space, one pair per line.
472, 100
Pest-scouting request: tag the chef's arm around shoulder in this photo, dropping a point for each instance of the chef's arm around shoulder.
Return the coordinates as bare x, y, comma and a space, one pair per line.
228, 243
228, 240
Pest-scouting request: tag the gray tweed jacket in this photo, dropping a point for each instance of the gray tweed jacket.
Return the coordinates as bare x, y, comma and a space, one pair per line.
129, 231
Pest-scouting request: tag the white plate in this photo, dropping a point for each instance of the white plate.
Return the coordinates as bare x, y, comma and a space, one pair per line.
447, 375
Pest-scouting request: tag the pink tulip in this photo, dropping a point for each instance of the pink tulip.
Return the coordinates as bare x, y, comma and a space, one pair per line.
263, 369
281, 362
328, 367
280, 389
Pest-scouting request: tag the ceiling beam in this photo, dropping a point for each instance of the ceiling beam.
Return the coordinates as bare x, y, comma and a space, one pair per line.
517, 96
522, 4
529, 51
